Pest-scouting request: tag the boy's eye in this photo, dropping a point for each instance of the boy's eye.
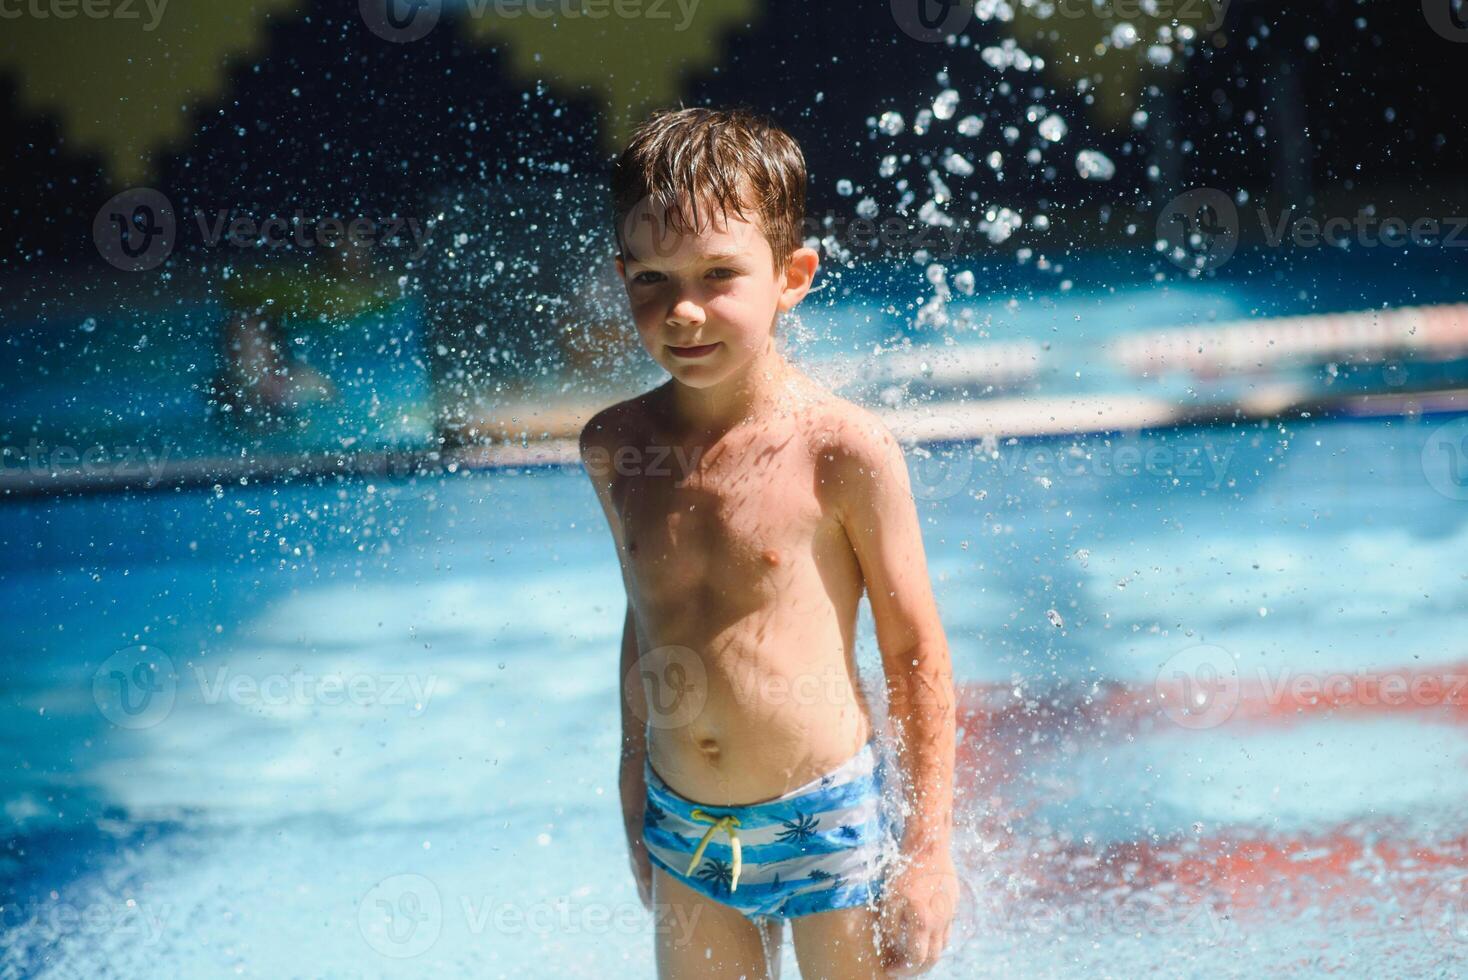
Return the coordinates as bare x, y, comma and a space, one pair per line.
646, 277
722, 273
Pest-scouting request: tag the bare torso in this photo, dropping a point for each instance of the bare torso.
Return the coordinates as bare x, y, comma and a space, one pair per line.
745, 588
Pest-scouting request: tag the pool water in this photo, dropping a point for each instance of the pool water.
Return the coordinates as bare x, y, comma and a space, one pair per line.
191, 793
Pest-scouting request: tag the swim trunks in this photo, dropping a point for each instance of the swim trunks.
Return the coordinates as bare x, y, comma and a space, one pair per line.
817, 848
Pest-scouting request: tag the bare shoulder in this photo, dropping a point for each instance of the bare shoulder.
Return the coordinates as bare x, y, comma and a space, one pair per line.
845, 434
854, 452
621, 424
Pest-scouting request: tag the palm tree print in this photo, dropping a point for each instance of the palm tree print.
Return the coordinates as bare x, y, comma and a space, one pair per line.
654, 815
847, 831
717, 873
799, 830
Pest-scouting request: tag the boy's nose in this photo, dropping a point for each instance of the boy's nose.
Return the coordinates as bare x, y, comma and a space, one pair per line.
685, 312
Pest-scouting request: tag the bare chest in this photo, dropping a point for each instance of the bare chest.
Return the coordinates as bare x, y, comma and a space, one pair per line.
737, 517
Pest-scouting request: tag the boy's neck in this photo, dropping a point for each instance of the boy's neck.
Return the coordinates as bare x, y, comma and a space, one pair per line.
753, 389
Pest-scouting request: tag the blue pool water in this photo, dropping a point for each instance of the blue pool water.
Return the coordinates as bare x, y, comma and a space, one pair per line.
450, 808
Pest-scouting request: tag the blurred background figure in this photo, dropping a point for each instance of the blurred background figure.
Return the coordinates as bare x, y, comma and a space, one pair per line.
260, 374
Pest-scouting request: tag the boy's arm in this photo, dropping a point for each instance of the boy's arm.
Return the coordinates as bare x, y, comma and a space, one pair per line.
874, 500
631, 780
878, 513
597, 445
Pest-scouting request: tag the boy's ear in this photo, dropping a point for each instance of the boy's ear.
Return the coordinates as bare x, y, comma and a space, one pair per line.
800, 272
621, 267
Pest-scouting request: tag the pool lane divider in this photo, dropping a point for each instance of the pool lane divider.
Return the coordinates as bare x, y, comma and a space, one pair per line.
938, 422
534, 435
1419, 333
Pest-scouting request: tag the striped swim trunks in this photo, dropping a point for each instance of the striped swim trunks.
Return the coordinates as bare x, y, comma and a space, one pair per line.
817, 848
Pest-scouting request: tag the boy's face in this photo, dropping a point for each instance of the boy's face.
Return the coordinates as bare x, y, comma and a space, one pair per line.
705, 303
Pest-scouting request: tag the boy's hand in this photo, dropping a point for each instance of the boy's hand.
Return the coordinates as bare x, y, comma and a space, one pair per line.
642, 871
637, 857
917, 910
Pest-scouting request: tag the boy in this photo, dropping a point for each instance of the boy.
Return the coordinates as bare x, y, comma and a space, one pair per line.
749, 508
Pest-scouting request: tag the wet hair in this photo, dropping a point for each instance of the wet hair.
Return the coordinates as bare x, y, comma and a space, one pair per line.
729, 160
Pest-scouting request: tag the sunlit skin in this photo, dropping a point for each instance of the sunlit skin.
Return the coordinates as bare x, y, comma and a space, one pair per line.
751, 557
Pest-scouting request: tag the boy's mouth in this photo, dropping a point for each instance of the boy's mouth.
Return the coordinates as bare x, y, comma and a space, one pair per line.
703, 350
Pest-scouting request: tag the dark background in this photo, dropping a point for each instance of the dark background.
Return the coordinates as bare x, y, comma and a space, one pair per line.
392, 115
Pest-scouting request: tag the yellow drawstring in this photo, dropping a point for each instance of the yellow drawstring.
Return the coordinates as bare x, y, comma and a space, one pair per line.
727, 824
